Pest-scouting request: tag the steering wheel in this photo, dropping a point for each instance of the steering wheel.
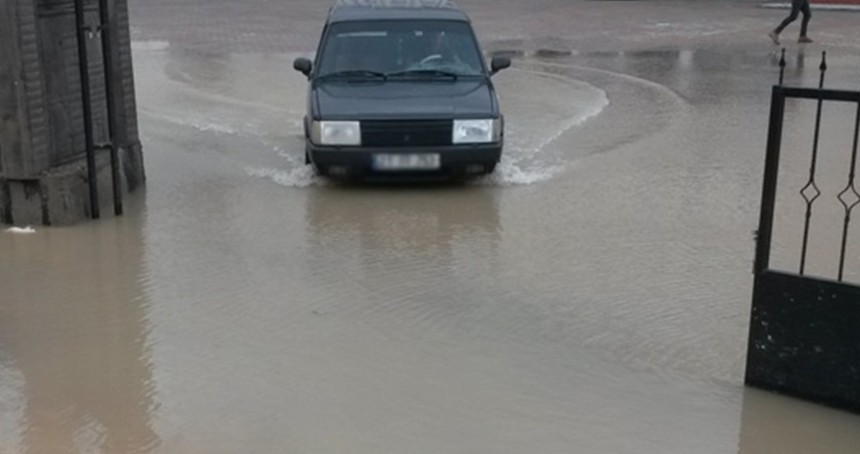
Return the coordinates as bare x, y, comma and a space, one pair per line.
430, 58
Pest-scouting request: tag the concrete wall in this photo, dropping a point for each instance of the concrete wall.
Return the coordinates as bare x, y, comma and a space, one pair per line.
41, 109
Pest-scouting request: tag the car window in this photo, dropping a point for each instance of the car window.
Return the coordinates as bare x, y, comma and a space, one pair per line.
391, 47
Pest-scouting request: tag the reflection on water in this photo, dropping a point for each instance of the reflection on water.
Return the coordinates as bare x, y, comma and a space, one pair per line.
203, 69
403, 249
414, 218
73, 331
772, 423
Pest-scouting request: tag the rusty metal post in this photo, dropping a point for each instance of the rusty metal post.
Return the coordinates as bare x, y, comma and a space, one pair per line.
83, 64
106, 28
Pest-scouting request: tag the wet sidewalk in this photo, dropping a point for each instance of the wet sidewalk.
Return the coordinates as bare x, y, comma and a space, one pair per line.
822, 5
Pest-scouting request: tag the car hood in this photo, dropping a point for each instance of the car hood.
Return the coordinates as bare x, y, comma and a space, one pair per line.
404, 99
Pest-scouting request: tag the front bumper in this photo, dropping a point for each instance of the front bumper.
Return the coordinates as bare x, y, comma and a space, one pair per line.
358, 161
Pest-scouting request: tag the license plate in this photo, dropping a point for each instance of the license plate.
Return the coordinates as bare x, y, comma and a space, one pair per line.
420, 161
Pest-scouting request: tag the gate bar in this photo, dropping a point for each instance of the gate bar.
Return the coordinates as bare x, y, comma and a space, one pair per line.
812, 167
84, 67
826, 94
771, 173
848, 188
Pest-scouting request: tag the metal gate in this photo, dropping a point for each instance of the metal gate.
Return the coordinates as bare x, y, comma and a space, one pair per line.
805, 331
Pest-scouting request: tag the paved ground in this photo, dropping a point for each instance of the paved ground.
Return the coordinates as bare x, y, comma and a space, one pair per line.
294, 26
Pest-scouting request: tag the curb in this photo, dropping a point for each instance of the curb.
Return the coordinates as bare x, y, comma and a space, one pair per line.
818, 6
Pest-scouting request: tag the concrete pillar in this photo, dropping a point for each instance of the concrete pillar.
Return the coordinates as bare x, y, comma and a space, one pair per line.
43, 179
23, 125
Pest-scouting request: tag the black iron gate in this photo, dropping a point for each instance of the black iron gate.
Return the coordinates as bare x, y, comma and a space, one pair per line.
805, 331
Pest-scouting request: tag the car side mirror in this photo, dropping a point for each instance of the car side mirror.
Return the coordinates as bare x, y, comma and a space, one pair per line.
499, 63
303, 65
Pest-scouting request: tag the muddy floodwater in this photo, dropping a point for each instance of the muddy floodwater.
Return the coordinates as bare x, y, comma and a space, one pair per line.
590, 296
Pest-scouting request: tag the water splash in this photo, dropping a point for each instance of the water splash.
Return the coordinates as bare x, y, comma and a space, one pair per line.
296, 177
550, 110
214, 127
594, 109
513, 172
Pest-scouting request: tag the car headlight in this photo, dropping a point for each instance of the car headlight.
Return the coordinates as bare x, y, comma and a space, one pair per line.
336, 133
476, 131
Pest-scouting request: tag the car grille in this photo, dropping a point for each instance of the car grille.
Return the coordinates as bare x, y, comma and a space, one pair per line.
406, 133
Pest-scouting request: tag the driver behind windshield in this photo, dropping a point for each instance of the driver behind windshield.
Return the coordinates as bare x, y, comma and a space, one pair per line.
386, 48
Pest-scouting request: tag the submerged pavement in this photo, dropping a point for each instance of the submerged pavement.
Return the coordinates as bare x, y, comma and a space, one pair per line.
591, 296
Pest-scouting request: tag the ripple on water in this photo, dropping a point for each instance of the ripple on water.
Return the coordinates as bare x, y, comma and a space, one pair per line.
149, 45
12, 405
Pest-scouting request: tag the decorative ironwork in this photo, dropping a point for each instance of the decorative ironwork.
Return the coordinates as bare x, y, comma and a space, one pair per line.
849, 197
810, 192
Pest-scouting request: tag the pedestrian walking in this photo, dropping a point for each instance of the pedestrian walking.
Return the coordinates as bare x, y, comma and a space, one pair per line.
797, 6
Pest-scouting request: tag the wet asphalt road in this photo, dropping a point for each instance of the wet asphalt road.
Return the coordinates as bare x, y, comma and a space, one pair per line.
591, 296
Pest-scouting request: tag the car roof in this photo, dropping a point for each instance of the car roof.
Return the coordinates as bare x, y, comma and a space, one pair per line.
357, 10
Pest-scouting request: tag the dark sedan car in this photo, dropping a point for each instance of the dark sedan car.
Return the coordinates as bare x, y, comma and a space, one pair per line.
400, 88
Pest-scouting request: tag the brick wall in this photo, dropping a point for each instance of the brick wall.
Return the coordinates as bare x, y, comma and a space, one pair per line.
40, 92
41, 104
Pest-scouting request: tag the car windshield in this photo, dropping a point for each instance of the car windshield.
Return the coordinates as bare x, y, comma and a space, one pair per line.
416, 48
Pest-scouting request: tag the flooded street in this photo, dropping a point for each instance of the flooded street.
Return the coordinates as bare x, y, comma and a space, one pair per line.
592, 295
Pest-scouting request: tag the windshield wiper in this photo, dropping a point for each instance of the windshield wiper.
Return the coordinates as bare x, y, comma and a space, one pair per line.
353, 73
424, 72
